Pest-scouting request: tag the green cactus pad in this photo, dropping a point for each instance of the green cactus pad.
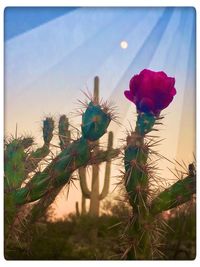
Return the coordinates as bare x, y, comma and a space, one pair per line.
94, 122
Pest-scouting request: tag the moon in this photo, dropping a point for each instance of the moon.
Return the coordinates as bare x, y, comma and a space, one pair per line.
124, 44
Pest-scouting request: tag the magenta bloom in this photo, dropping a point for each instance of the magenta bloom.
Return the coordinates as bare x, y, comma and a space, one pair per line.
151, 91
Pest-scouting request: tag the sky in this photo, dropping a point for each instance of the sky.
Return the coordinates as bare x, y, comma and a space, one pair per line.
51, 54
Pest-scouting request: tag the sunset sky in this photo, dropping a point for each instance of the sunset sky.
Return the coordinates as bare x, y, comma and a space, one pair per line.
51, 54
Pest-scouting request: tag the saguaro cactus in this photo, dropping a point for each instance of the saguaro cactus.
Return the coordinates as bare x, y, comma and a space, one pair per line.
94, 195
151, 92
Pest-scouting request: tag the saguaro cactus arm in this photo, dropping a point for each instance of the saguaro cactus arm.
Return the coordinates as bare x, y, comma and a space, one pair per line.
103, 156
83, 182
83, 205
105, 189
96, 90
94, 201
77, 209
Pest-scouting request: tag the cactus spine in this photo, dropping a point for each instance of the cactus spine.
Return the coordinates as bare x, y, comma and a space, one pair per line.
94, 195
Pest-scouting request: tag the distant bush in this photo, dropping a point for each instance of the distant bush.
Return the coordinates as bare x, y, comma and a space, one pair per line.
90, 238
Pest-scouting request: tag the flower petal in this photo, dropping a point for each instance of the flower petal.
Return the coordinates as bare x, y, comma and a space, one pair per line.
146, 105
128, 95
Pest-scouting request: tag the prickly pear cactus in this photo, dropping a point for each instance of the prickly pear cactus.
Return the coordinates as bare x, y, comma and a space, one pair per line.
94, 195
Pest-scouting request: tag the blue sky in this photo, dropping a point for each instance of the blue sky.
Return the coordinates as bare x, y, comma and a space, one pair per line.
19, 20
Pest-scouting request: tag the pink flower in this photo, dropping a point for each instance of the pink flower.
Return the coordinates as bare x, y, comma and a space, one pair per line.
151, 91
